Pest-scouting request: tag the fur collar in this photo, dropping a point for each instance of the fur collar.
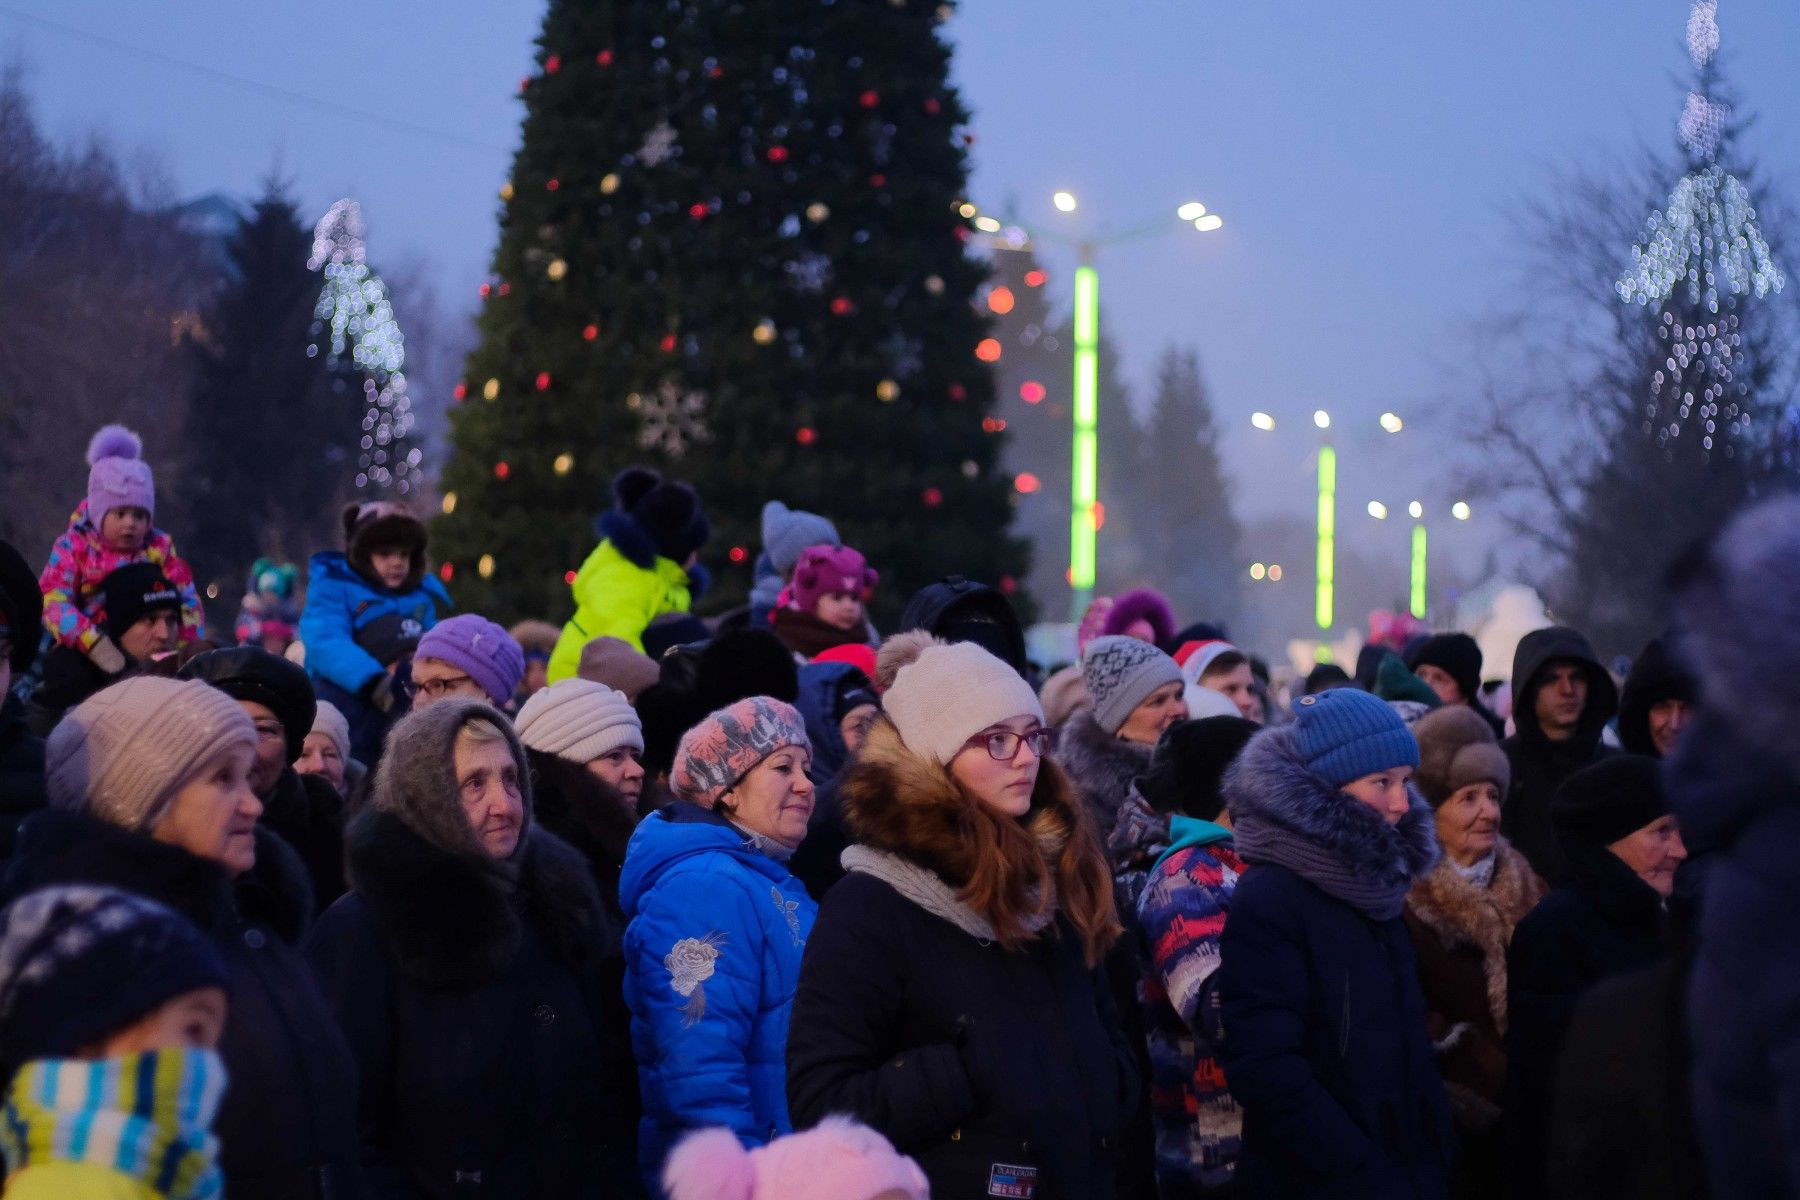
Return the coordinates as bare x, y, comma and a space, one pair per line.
1275, 801
1460, 914
452, 922
628, 538
931, 893
1103, 767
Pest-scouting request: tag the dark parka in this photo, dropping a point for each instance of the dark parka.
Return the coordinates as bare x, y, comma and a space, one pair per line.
1103, 767
1655, 676
1540, 765
986, 1065
1325, 1045
471, 994
287, 1125
308, 813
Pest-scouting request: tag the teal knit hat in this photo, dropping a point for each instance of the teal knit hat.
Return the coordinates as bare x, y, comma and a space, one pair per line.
1344, 734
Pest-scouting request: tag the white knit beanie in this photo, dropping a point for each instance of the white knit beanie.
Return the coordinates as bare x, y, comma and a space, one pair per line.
121, 754
579, 720
951, 692
329, 720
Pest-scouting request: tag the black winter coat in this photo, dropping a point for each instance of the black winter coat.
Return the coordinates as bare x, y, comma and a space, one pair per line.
287, 1125
1603, 921
1540, 765
477, 1014
21, 772
309, 815
993, 1068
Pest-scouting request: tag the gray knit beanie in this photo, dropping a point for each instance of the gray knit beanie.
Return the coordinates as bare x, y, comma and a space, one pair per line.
1120, 672
329, 720
417, 778
787, 532
121, 754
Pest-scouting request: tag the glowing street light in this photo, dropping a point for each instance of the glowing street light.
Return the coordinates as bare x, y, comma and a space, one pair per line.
1392, 423
1460, 510
1209, 222
1193, 210
1064, 201
1378, 510
1262, 421
1415, 510
1322, 419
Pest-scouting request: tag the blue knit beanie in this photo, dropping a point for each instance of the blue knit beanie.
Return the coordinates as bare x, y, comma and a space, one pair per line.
1345, 733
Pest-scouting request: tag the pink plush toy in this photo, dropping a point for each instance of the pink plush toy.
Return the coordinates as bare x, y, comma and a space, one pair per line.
837, 1160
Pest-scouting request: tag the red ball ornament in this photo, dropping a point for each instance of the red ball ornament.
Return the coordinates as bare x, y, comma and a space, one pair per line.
604, 58
841, 306
738, 554
446, 571
502, 470
668, 343
870, 98
506, 289
589, 333
806, 435
1035, 278
778, 154
716, 73
1008, 585
958, 392
550, 185
1031, 392
485, 289
460, 391
553, 64
525, 84
569, 578
993, 424
543, 381
697, 211
932, 106
932, 497
878, 180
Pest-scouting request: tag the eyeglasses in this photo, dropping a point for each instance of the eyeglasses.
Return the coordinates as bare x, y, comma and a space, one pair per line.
437, 689
1002, 745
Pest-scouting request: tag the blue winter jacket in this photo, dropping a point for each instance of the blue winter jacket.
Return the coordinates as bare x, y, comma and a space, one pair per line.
341, 602
712, 958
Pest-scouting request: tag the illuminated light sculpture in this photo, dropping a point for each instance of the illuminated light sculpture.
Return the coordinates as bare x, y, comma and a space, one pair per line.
1085, 490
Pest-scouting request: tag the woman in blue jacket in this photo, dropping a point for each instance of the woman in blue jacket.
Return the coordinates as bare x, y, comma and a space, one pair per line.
717, 924
1325, 1042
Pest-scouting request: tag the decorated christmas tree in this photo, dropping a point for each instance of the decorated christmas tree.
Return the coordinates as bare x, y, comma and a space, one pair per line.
731, 248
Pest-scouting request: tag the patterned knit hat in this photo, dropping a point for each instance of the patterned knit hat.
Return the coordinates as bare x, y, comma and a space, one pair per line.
1120, 672
944, 693
1345, 733
120, 754
824, 570
579, 721
718, 752
80, 963
481, 648
118, 477
786, 532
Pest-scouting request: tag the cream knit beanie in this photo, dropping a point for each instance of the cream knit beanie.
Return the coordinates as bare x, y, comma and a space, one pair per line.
579, 720
948, 693
121, 754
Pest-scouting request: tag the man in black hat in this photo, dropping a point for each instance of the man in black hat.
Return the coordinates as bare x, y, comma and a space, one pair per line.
142, 616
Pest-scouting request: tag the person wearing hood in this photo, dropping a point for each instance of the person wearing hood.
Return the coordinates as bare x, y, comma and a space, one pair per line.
1562, 700
305, 810
839, 704
21, 753
1622, 846
717, 927
465, 967
1176, 869
150, 793
960, 610
1450, 664
646, 564
1326, 1047
1462, 915
1138, 693
1656, 702
786, 534
950, 996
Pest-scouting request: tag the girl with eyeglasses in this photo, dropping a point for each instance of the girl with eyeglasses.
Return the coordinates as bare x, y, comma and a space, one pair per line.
950, 995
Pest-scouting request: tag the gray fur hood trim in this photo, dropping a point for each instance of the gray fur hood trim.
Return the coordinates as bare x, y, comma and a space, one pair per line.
1103, 767
931, 893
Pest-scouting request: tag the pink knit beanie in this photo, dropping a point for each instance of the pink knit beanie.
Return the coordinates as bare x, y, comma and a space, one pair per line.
715, 754
117, 476
838, 1160
823, 570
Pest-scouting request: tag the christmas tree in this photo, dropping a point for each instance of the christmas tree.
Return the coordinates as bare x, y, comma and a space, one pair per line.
731, 248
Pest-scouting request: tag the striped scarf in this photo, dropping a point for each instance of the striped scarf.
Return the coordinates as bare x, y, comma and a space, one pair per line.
148, 1116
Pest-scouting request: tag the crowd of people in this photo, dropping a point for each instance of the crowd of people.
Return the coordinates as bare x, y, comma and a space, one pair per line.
373, 897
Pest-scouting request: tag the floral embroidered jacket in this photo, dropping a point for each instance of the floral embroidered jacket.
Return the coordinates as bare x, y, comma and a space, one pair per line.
712, 958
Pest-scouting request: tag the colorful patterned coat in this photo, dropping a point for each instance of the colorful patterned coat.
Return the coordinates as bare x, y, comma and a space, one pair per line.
80, 561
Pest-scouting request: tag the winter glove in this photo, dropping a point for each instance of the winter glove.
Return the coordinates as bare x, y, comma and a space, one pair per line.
381, 693
107, 656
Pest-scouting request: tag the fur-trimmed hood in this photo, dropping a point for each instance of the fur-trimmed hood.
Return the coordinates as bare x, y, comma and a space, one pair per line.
1461, 914
1103, 767
454, 922
1275, 802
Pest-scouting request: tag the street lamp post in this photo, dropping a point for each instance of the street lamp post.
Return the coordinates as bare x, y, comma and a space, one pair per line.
1416, 593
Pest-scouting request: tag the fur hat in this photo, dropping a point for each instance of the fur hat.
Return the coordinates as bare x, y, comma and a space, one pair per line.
79, 963
417, 779
837, 1159
668, 513
118, 476
1609, 800
612, 661
718, 752
384, 525
121, 754
1141, 604
826, 570
252, 673
944, 693
1455, 654
1343, 734
330, 721
787, 532
1457, 747
1120, 672
579, 721
537, 639
21, 607
1064, 694
481, 648
1189, 763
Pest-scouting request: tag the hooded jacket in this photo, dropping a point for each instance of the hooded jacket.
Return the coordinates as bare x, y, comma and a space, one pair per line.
1655, 676
472, 992
961, 610
1324, 1022
287, 1126
1539, 765
80, 561
712, 957
909, 1016
624, 585
341, 602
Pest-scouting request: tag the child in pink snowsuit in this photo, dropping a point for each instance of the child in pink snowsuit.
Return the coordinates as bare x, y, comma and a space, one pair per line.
108, 530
